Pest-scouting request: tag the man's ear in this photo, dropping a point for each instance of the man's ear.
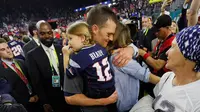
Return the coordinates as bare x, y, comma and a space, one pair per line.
35, 32
95, 29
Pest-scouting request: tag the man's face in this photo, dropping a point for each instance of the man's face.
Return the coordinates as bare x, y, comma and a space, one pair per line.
145, 23
160, 34
5, 51
102, 35
46, 35
45, 32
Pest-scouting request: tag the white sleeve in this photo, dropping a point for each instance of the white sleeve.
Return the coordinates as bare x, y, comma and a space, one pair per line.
135, 50
161, 83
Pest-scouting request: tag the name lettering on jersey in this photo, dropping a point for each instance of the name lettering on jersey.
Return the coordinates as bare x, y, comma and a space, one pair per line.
13, 43
97, 54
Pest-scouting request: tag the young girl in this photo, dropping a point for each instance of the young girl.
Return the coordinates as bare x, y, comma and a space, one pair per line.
127, 77
83, 57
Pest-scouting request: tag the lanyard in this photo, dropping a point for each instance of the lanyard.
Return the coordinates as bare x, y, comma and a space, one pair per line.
51, 64
27, 85
146, 32
17, 65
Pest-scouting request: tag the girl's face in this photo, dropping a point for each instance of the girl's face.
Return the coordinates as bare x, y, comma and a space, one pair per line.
75, 42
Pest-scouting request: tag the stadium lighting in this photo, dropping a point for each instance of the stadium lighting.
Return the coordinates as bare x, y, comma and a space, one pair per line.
89, 6
109, 5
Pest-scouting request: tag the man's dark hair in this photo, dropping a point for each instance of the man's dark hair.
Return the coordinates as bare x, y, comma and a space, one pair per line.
99, 15
2, 40
31, 27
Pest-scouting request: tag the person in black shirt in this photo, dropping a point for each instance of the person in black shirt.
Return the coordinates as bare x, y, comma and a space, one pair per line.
157, 59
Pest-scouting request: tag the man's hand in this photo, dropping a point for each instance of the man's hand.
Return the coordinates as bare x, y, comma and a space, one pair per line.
124, 55
165, 4
66, 50
33, 99
111, 99
47, 108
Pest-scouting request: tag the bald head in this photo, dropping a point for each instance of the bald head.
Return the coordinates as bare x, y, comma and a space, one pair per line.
45, 34
45, 24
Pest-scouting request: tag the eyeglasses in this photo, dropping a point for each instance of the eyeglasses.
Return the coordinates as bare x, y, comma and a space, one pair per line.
44, 33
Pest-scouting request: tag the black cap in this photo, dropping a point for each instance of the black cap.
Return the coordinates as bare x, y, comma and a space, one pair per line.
162, 21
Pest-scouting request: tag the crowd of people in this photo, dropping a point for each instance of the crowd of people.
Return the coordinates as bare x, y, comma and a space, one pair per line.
100, 64
18, 18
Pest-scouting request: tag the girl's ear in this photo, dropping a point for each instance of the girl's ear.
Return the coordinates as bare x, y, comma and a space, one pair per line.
83, 38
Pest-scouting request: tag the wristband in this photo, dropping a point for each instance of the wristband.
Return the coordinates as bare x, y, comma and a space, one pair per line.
146, 55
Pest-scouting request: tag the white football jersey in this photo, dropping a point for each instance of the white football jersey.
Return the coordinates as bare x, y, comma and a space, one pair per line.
170, 98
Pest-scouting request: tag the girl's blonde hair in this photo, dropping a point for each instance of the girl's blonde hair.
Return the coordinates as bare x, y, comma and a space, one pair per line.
80, 28
122, 37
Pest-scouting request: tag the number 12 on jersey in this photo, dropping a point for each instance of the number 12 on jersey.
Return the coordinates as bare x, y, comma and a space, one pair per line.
103, 74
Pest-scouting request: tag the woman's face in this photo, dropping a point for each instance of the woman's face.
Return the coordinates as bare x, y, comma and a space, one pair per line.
173, 28
175, 57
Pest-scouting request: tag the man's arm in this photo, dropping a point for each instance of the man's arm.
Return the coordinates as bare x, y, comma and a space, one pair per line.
73, 89
164, 5
82, 100
35, 78
182, 22
193, 12
157, 64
